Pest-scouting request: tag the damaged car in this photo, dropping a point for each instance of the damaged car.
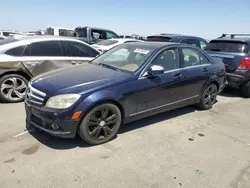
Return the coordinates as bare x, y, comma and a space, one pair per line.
28, 56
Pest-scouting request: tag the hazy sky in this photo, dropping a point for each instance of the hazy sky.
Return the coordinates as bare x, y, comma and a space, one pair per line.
205, 18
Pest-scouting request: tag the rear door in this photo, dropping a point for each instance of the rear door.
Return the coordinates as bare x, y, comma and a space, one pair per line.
44, 56
231, 53
196, 69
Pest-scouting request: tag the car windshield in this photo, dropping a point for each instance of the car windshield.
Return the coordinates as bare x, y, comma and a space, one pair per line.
106, 42
125, 57
227, 46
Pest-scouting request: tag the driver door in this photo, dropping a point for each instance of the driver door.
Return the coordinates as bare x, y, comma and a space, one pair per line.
161, 90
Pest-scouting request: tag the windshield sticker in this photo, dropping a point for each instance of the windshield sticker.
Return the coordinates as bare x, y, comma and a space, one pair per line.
141, 51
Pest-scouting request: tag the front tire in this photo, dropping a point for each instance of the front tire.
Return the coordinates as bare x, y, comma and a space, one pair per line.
101, 124
12, 88
208, 97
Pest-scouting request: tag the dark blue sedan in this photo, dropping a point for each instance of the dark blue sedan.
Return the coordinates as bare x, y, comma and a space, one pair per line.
129, 82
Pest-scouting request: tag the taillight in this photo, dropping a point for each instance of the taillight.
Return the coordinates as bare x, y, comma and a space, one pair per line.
244, 64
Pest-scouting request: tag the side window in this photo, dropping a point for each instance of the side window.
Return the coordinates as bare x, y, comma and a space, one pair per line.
18, 51
111, 35
47, 48
192, 57
98, 34
192, 42
203, 44
78, 49
168, 59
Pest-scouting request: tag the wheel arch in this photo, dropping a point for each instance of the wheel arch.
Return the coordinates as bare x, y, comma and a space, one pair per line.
21, 73
103, 101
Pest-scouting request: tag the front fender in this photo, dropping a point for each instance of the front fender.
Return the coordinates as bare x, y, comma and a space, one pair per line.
97, 97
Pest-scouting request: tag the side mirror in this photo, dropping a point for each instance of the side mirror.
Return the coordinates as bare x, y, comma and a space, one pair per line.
155, 70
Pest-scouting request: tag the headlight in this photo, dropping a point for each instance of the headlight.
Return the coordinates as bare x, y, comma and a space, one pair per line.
62, 101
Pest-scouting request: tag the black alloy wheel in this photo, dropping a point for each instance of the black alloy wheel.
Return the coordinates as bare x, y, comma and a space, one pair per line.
208, 97
101, 124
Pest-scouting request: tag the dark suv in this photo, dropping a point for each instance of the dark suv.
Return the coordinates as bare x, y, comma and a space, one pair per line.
233, 50
164, 37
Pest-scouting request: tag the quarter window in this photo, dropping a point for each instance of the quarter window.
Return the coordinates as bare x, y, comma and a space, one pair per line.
77, 49
203, 44
191, 57
168, 59
48, 48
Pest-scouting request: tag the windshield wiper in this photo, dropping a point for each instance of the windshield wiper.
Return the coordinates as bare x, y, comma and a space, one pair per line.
109, 66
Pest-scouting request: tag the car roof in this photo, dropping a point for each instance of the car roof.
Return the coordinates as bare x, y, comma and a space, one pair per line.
61, 28
95, 28
24, 40
242, 39
152, 45
170, 35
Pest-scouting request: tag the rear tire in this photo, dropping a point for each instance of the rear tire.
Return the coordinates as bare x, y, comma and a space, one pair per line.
208, 97
245, 90
12, 88
101, 124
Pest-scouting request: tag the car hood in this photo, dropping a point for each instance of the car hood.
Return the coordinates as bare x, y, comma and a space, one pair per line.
78, 79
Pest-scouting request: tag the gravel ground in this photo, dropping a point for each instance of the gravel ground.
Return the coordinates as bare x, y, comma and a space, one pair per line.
182, 148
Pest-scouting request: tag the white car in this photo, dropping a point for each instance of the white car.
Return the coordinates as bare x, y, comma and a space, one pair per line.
22, 58
106, 45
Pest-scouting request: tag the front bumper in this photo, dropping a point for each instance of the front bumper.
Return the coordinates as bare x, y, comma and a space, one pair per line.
50, 123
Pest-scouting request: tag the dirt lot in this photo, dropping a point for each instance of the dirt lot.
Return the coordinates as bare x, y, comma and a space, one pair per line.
183, 148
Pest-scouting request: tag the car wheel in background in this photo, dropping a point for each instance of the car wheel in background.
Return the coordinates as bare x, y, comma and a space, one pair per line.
101, 124
245, 90
208, 97
13, 88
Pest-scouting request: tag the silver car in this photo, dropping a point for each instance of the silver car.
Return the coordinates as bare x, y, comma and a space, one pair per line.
23, 57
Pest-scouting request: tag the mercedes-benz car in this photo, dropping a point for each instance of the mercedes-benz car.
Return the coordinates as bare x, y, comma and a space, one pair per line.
24, 57
95, 98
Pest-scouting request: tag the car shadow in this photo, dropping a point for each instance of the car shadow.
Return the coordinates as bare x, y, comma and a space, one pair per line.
64, 144
231, 92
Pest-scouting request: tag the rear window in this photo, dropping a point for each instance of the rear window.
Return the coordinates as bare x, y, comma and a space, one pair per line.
107, 42
227, 46
7, 41
82, 32
65, 32
159, 39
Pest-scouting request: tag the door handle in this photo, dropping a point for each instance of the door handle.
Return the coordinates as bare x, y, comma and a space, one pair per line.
205, 69
177, 76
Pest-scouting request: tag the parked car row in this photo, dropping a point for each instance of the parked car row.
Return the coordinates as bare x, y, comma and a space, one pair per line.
120, 79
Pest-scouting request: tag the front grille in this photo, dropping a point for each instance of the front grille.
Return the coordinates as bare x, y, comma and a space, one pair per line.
35, 97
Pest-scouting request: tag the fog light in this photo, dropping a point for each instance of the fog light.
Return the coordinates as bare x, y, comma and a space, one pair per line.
55, 126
